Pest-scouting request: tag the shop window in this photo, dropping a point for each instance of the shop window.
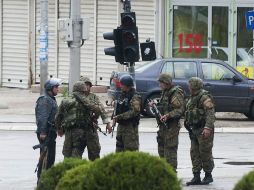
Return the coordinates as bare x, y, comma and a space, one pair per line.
190, 25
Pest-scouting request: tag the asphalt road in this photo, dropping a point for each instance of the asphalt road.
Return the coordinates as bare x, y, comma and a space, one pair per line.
18, 159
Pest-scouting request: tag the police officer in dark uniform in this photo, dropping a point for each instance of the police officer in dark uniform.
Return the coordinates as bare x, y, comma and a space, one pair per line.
127, 116
45, 110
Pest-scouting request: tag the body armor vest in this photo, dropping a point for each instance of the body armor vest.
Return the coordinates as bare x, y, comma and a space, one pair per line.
164, 105
76, 115
123, 105
195, 115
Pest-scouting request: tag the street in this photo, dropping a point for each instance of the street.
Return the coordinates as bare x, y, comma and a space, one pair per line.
18, 159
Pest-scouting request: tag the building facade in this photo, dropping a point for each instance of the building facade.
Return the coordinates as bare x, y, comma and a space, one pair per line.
210, 29
180, 28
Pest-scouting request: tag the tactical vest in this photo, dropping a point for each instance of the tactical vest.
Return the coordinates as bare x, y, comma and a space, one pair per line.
76, 116
194, 114
51, 112
164, 105
123, 105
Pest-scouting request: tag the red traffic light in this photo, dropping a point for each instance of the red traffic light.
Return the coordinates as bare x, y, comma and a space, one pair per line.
128, 20
129, 37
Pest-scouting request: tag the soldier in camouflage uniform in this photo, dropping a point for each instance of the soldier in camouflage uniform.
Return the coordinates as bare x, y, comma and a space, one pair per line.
94, 100
127, 116
171, 106
75, 117
199, 121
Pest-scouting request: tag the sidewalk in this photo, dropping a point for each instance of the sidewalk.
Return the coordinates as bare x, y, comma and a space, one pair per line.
17, 113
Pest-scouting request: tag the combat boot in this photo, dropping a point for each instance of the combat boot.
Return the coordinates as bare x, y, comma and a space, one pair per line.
207, 179
195, 180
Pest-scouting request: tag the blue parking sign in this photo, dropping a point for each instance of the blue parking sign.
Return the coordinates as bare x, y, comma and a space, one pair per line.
249, 17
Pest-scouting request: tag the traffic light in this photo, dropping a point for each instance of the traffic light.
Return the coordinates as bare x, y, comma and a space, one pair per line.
116, 51
130, 43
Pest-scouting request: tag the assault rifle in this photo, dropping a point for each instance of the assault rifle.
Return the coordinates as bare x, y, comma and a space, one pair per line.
157, 114
113, 115
43, 150
96, 126
189, 129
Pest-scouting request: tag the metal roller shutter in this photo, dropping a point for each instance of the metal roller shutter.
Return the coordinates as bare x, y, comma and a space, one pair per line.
15, 30
63, 50
106, 22
87, 60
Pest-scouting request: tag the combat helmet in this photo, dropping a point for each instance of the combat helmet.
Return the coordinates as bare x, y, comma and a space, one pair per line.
195, 83
86, 80
126, 80
78, 86
165, 78
51, 83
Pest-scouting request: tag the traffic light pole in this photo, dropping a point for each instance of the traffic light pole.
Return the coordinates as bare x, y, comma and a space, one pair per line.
74, 70
131, 69
43, 44
127, 6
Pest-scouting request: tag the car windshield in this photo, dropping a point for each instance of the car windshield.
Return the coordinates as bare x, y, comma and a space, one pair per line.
238, 72
146, 65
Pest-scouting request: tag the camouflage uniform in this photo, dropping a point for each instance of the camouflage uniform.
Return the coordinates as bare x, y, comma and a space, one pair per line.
172, 105
200, 114
128, 116
75, 117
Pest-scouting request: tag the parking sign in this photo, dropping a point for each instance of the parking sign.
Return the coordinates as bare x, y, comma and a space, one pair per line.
249, 17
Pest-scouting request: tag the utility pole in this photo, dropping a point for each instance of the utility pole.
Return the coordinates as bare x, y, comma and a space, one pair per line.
43, 44
74, 31
74, 69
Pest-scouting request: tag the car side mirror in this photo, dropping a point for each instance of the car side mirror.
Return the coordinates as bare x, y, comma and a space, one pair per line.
236, 79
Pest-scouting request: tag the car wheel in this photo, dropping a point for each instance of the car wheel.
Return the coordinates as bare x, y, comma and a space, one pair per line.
148, 110
247, 115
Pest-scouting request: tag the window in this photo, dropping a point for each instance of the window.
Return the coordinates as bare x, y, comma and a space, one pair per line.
180, 70
168, 68
213, 71
185, 70
146, 65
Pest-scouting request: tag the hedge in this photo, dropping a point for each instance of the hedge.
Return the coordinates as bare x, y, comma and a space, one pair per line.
72, 179
49, 178
246, 183
130, 171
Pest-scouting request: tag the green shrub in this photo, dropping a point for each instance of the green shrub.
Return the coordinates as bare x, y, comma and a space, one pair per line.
72, 179
246, 183
130, 171
50, 177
